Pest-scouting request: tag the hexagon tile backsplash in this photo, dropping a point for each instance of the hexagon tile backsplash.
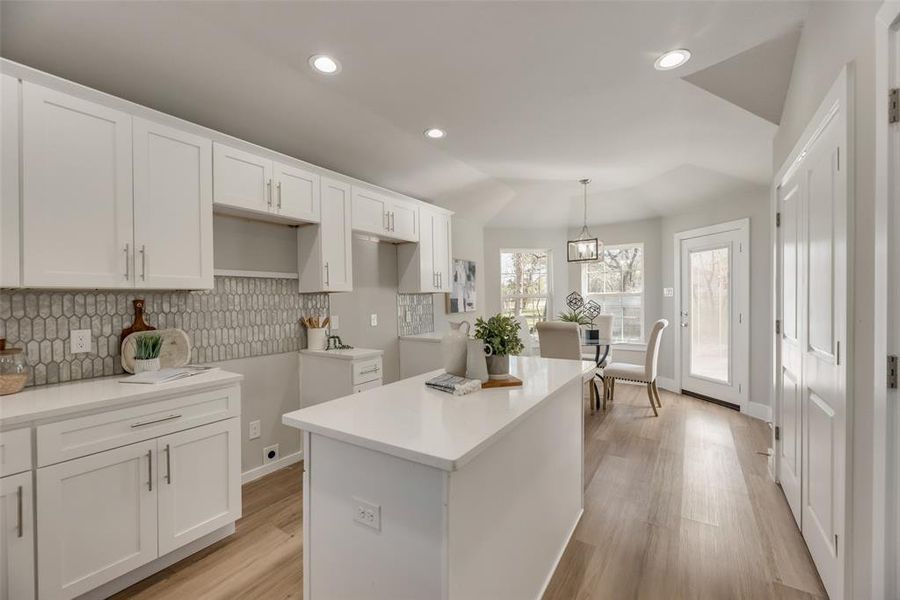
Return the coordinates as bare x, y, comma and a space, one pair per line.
240, 318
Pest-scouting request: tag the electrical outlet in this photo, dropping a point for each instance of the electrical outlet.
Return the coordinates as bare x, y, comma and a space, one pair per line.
367, 514
373, 320
335, 323
80, 341
254, 430
270, 454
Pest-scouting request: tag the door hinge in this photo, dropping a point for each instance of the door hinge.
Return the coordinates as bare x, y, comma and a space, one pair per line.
892, 372
778, 219
894, 106
778, 326
777, 433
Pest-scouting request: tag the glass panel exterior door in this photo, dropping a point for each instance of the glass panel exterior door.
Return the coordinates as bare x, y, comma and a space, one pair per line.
710, 309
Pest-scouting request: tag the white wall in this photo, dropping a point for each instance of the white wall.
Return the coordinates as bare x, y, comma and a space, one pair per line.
835, 34
467, 244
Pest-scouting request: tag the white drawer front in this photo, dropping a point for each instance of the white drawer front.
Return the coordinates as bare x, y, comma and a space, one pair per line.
362, 387
366, 370
70, 439
15, 451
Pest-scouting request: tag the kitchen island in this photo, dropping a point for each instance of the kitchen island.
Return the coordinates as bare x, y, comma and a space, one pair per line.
413, 493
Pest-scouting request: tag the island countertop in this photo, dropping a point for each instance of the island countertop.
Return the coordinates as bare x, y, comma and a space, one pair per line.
408, 420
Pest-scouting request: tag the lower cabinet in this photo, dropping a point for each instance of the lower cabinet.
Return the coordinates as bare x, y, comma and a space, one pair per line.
109, 513
16, 537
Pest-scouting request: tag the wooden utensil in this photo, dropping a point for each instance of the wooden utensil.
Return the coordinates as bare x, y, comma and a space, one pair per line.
138, 324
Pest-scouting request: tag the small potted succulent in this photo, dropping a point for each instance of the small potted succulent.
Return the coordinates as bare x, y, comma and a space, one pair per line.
146, 352
500, 335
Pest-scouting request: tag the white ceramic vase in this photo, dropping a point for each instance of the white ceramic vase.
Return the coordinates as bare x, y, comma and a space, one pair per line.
315, 338
142, 365
453, 348
476, 361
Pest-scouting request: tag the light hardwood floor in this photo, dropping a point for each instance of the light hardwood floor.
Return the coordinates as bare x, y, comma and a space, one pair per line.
678, 506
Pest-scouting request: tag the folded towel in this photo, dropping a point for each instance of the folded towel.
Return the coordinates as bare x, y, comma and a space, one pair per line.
454, 384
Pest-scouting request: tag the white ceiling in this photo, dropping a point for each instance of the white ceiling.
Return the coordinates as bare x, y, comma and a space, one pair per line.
534, 96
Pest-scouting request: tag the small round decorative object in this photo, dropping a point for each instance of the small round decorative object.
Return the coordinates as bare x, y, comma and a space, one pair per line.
13, 369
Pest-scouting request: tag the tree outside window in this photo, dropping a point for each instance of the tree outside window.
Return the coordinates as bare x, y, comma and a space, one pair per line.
617, 284
525, 284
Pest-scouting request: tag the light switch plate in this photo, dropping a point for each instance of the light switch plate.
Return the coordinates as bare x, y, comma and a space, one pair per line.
373, 320
668, 292
80, 341
254, 430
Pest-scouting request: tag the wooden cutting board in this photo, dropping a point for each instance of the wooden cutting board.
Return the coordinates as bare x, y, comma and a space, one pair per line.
502, 383
139, 324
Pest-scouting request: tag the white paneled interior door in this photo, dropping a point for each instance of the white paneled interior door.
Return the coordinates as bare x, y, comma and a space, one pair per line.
336, 224
790, 342
98, 519
199, 482
296, 193
16, 537
77, 192
811, 455
172, 208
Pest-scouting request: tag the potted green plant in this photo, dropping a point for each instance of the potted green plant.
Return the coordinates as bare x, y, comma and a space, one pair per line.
146, 352
574, 316
500, 335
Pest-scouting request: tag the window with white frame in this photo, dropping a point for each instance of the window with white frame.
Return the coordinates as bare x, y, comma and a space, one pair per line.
525, 286
616, 282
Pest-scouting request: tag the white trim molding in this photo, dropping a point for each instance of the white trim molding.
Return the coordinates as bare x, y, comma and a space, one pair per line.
759, 411
263, 470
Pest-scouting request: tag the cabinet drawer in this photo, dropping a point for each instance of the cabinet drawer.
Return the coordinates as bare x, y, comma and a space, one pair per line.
362, 387
15, 451
366, 370
70, 439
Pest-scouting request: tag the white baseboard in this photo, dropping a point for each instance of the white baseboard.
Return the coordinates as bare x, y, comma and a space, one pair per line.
763, 412
284, 461
667, 383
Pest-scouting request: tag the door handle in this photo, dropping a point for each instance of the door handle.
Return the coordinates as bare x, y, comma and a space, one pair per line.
150, 470
127, 268
167, 418
386, 221
327, 275
20, 521
683, 324
279, 195
269, 193
393, 221
143, 262
168, 464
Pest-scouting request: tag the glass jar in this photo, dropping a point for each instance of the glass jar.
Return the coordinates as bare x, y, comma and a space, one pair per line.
13, 371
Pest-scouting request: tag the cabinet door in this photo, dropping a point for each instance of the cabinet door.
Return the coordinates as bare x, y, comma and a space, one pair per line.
16, 538
428, 278
199, 482
9, 181
296, 193
370, 211
77, 192
172, 208
404, 221
96, 519
242, 180
336, 240
441, 243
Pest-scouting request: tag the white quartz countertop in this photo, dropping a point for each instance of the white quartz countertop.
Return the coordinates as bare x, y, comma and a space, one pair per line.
410, 421
433, 337
63, 399
349, 354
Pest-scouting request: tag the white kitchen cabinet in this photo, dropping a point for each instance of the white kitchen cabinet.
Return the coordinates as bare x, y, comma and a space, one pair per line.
247, 184
426, 267
96, 519
16, 537
325, 250
329, 374
172, 208
242, 180
296, 193
199, 482
386, 217
77, 192
10, 111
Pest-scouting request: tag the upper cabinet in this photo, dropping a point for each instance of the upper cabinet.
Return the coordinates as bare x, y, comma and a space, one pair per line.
172, 208
109, 201
9, 181
77, 217
249, 184
324, 251
385, 217
426, 267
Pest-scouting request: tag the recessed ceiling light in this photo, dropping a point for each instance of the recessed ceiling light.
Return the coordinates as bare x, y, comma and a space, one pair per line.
324, 64
434, 133
672, 59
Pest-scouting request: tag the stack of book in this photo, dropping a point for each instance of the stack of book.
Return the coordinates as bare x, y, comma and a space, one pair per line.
454, 384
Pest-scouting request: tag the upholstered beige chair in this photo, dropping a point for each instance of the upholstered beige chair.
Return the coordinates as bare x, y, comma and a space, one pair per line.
560, 339
645, 373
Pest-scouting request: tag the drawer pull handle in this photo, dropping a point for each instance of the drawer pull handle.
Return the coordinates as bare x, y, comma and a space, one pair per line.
162, 420
20, 521
150, 470
168, 464
368, 371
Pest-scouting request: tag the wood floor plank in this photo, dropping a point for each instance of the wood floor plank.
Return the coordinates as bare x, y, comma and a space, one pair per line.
679, 506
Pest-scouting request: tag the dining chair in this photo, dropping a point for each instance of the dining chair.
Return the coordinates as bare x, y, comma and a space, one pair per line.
645, 373
560, 339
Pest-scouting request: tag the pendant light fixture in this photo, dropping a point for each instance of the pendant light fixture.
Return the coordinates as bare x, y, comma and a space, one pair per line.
585, 247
